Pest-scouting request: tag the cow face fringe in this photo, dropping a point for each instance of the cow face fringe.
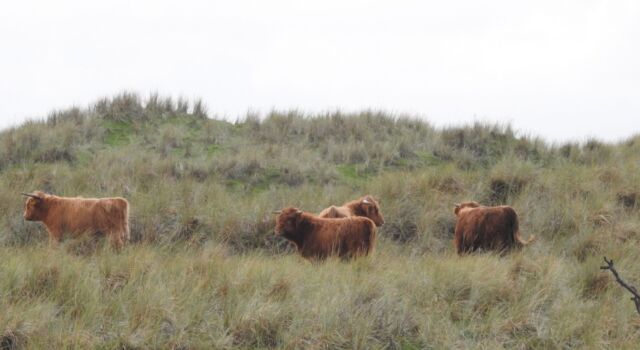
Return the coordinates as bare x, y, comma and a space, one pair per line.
288, 221
35, 206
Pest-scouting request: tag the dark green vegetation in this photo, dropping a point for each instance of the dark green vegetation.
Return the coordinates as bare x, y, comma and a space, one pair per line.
204, 270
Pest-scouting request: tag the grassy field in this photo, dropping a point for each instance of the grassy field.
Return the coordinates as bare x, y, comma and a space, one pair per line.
204, 269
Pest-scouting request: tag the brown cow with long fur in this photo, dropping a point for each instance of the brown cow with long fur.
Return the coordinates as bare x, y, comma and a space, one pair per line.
77, 216
319, 238
366, 206
487, 228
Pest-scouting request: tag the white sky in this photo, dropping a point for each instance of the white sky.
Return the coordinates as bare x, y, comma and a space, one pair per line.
558, 69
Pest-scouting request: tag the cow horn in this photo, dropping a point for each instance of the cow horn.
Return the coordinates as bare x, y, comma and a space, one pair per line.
457, 205
276, 212
30, 195
299, 212
366, 201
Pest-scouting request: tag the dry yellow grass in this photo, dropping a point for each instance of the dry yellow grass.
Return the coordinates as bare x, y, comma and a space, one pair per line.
151, 297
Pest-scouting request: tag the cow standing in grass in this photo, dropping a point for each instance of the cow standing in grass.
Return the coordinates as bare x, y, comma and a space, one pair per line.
487, 228
319, 238
77, 216
366, 206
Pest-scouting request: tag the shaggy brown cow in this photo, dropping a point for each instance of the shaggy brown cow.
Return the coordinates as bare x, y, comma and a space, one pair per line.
488, 228
365, 206
77, 216
319, 238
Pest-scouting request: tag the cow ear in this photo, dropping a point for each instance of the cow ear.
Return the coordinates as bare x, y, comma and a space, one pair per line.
456, 209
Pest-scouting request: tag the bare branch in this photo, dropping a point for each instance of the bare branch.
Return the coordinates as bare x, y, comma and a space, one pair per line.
632, 289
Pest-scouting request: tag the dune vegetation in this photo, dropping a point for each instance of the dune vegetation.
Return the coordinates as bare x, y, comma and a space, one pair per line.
204, 269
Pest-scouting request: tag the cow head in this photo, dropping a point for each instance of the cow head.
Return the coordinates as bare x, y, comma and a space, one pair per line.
465, 205
370, 208
288, 221
35, 207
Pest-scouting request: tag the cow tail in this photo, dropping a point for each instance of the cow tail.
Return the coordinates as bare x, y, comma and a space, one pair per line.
127, 233
516, 233
525, 242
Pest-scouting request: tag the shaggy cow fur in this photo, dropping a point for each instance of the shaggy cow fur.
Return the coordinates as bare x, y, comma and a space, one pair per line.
77, 216
487, 228
366, 206
317, 237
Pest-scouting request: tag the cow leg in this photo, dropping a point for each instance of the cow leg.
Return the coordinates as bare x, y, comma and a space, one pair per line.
464, 248
54, 241
116, 239
457, 243
55, 236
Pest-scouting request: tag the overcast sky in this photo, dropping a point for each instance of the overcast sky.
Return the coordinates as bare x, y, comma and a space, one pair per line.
557, 69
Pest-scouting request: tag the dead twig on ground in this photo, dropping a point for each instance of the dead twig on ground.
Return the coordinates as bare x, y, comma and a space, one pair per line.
632, 289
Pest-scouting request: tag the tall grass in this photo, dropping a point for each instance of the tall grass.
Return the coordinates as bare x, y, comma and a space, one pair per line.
204, 269
149, 296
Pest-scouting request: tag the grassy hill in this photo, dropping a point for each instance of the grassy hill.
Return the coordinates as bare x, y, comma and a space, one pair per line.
204, 269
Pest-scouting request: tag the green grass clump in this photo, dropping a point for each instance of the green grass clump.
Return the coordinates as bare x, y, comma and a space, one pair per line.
117, 132
204, 269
